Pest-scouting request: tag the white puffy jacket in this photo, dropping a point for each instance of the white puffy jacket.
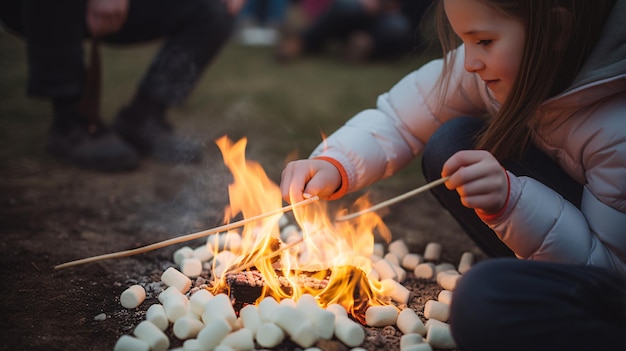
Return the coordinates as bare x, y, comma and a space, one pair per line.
583, 129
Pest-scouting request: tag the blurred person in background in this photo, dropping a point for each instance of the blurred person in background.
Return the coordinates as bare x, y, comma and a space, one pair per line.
194, 32
364, 29
260, 21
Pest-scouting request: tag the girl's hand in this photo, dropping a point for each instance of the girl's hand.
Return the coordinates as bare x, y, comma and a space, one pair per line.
479, 179
311, 177
106, 17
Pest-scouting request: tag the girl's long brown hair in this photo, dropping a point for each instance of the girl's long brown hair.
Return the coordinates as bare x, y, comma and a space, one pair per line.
559, 36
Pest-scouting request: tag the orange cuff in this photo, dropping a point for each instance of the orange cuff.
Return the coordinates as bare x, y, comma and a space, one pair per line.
490, 216
343, 189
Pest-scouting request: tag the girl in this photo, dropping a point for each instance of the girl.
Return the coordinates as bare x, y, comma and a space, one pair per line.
526, 114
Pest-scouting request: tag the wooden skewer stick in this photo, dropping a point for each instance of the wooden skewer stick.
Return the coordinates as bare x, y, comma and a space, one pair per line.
187, 237
393, 200
272, 255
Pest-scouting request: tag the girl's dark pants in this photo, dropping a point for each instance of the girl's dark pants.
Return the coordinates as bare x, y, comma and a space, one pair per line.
504, 303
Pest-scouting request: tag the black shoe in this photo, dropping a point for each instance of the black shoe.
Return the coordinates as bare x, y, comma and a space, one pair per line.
154, 136
93, 147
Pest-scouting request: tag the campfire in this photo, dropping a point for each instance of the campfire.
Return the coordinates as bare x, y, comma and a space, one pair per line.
332, 257
302, 277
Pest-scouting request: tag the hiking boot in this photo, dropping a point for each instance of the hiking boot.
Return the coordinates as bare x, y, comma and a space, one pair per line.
154, 136
93, 147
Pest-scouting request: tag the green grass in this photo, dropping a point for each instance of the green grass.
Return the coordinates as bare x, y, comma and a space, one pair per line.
244, 93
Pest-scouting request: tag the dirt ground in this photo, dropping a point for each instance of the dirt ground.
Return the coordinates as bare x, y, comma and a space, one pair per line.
51, 214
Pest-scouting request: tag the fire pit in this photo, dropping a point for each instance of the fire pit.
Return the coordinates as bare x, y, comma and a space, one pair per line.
296, 281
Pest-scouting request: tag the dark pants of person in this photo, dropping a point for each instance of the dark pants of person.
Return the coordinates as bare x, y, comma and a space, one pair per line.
55, 31
509, 304
392, 33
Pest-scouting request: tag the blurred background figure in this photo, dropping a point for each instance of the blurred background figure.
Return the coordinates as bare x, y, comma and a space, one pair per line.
311, 9
194, 32
260, 21
363, 29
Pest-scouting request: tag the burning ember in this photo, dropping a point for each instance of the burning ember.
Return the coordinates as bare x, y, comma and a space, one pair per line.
337, 255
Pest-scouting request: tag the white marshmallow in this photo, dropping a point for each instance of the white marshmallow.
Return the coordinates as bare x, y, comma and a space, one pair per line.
133, 296
213, 333
204, 253
167, 292
182, 253
187, 328
297, 325
418, 347
288, 302
198, 300
220, 269
410, 323
385, 270
323, 320
432, 321
220, 307
411, 260
443, 267
270, 335
448, 279
225, 258
192, 345
230, 241
240, 340
267, 309
380, 316
250, 318
391, 258
445, 296
348, 331
424, 270
152, 335
432, 252
223, 348
173, 277
395, 290
176, 306
156, 314
337, 310
440, 337
436, 310
410, 339
129, 343
400, 273
398, 248
466, 262
192, 314
191, 267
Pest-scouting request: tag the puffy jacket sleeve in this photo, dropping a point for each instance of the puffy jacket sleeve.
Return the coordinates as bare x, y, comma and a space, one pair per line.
539, 224
376, 143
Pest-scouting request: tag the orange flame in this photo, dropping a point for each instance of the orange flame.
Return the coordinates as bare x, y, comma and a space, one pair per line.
340, 251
